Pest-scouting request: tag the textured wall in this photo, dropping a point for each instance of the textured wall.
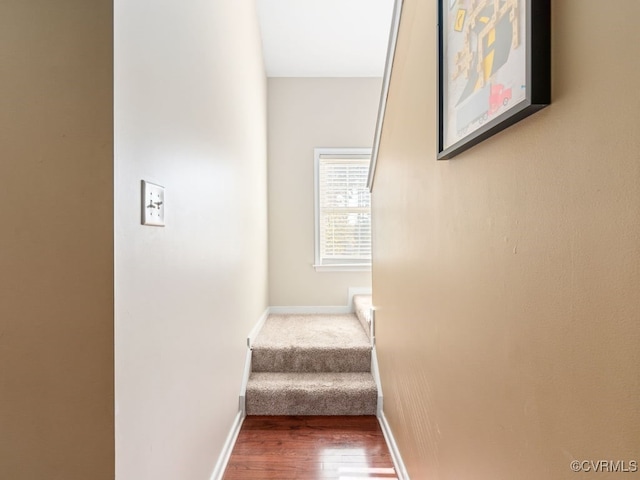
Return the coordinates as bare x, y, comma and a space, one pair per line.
56, 241
306, 113
190, 112
507, 279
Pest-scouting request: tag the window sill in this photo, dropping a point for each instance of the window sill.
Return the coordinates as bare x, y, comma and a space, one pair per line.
347, 267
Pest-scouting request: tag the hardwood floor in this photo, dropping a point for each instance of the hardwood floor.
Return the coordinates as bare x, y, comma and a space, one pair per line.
309, 448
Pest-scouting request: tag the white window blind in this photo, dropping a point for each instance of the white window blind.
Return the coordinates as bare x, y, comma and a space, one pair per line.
343, 208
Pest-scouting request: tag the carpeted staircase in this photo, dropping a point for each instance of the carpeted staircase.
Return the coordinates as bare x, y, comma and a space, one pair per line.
313, 365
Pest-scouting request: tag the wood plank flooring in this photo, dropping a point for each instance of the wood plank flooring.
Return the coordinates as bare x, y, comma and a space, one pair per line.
310, 448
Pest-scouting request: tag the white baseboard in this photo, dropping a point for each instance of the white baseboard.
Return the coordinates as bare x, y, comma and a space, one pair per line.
257, 327
401, 470
323, 309
229, 443
398, 463
320, 310
376, 377
245, 380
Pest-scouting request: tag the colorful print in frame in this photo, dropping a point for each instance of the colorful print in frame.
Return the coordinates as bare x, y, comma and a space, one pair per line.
494, 68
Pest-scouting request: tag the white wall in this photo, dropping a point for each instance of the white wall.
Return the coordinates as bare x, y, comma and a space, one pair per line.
190, 114
305, 113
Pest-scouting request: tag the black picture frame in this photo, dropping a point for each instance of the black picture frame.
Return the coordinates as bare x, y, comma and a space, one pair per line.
494, 68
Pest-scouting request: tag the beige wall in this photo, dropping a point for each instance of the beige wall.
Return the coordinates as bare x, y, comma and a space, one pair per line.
306, 113
56, 246
507, 279
190, 112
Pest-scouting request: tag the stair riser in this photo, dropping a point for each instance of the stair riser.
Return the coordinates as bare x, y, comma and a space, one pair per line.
306, 403
311, 361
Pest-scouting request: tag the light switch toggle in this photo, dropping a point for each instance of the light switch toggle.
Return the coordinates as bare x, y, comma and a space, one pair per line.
152, 204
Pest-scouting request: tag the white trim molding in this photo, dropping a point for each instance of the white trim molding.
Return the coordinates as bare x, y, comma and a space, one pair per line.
321, 310
257, 327
398, 463
375, 372
388, 68
245, 382
227, 449
349, 267
225, 454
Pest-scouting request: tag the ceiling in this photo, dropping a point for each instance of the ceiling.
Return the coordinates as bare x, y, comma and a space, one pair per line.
325, 38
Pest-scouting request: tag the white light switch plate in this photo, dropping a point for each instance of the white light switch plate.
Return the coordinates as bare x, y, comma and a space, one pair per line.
152, 204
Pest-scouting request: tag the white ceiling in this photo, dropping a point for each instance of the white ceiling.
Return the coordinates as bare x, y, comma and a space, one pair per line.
325, 38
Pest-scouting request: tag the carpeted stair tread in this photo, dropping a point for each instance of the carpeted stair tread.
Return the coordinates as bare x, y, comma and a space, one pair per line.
352, 393
317, 330
312, 343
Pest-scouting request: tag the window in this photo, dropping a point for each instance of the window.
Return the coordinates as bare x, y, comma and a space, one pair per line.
343, 209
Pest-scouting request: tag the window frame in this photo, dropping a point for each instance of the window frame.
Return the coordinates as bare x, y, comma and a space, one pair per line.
356, 153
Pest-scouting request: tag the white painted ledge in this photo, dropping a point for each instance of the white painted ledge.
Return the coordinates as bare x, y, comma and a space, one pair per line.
388, 68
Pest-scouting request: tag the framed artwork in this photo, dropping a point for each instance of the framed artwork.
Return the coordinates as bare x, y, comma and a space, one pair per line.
494, 68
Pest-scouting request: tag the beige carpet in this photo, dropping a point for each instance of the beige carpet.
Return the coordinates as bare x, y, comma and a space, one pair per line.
311, 365
362, 306
312, 394
312, 343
